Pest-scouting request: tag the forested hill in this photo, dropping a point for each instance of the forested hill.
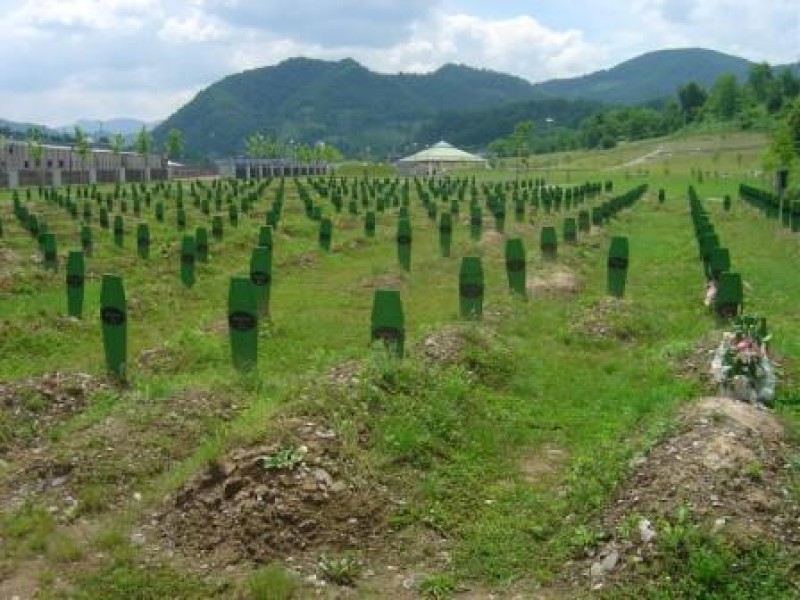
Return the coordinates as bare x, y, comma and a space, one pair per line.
367, 114
649, 77
342, 103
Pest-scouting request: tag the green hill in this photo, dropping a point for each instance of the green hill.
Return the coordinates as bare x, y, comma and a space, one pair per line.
339, 102
648, 77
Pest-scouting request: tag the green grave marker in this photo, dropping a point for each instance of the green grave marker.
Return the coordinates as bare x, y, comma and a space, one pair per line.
76, 273
49, 251
216, 227
730, 295
160, 211
404, 243
388, 321
516, 266
233, 215
265, 237
201, 242
86, 240
104, 217
475, 222
188, 257
445, 233
143, 240
719, 262
180, 219
119, 231
471, 287
570, 230
325, 234
261, 276
726, 202
662, 196
369, 224
243, 323
548, 242
584, 221
113, 317
617, 266
137, 207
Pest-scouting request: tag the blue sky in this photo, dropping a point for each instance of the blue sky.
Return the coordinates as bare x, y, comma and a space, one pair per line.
70, 59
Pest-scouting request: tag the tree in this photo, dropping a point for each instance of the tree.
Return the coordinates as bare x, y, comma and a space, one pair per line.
725, 98
82, 148
760, 81
523, 131
174, 143
691, 97
788, 83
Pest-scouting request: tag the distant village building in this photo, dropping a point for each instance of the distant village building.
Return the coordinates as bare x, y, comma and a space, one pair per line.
439, 158
243, 167
63, 165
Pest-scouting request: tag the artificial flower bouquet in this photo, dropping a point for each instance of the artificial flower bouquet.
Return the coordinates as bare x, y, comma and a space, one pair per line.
741, 365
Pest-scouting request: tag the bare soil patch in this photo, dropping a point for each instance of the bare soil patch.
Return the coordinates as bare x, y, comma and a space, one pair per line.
729, 467
558, 283
276, 500
32, 406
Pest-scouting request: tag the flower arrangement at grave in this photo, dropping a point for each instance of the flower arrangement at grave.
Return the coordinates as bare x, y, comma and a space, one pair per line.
741, 365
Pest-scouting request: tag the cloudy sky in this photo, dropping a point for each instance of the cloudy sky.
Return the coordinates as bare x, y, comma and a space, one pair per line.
70, 59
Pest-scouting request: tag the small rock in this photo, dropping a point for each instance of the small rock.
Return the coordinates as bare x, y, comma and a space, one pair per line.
646, 531
323, 478
602, 567
137, 496
137, 538
338, 487
58, 481
718, 525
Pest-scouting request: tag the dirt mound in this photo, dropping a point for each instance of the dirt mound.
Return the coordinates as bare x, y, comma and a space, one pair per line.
392, 282
558, 283
101, 465
276, 500
445, 346
727, 469
610, 318
31, 406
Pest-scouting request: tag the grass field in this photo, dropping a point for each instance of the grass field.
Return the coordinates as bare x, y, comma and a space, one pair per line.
488, 461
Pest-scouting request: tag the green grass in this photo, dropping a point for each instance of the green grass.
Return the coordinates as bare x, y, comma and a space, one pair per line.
592, 379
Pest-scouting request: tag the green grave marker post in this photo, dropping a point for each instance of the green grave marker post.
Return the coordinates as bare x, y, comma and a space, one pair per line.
584, 221
617, 266
76, 274
49, 251
404, 243
730, 295
475, 222
86, 240
369, 224
516, 266
216, 227
548, 242
104, 217
114, 317
662, 196
445, 234
325, 234
388, 321
159, 211
570, 230
233, 215
119, 231
726, 202
143, 240
201, 243
187, 258
265, 237
180, 219
719, 262
471, 287
243, 323
261, 277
